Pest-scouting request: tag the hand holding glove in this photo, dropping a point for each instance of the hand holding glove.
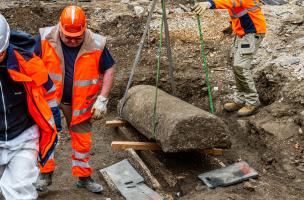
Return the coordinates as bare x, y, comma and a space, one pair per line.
99, 107
200, 8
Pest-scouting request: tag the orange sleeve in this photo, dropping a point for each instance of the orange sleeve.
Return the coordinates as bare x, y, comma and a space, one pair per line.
224, 4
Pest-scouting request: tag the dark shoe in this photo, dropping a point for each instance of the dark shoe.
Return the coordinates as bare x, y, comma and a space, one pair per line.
231, 107
247, 110
44, 180
90, 184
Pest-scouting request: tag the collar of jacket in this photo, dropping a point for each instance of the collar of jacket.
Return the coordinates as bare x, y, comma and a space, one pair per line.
24, 44
92, 42
22, 64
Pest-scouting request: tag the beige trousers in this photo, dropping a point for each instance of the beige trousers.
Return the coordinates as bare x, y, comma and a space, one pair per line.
244, 49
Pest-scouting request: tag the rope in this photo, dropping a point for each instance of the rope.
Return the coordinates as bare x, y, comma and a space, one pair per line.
137, 57
158, 71
204, 66
169, 51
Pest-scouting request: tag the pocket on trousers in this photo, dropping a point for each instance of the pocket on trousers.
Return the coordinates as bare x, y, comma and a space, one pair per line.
247, 44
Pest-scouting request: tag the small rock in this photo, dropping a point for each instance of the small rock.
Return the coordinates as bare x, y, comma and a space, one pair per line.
300, 168
200, 187
252, 180
248, 186
178, 10
139, 10
291, 175
242, 123
177, 194
285, 61
186, 9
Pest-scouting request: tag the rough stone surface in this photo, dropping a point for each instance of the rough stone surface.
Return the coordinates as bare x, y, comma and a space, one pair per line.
181, 126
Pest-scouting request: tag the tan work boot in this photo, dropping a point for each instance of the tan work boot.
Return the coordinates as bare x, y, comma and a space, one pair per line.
231, 107
247, 110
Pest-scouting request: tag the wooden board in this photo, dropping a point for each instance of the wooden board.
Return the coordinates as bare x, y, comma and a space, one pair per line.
141, 166
115, 123
121, 145
151, 146
212, 152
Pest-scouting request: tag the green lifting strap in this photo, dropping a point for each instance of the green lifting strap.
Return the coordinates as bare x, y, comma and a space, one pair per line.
204, 66
203, 57
155, 120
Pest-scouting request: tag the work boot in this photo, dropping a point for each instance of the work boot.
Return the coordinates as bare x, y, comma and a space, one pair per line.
247, 110
90, 184
231, 107
44, 180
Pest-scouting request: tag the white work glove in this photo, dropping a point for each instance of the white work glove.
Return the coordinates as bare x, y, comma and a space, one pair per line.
100, 107
200, 8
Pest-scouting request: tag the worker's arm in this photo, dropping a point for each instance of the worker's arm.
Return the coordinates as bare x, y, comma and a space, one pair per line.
224, 4
50, 88
201, 7
108, 71
108, 79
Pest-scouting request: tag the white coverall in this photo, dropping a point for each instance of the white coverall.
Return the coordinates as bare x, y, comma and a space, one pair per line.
18, 166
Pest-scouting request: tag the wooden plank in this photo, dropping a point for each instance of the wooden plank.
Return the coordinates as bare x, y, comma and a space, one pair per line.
122, 145
137, 162
212, 152
115, 123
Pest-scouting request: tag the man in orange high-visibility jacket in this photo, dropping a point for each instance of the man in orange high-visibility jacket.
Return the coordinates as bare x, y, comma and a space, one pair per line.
249, 25
80, 65
27, 125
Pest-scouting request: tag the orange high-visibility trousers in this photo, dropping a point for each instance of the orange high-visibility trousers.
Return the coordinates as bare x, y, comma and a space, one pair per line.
81, 137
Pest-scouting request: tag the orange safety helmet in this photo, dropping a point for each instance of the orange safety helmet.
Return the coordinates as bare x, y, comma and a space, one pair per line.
73, 21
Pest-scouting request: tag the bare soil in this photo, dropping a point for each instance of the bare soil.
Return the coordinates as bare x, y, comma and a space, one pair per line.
271, 141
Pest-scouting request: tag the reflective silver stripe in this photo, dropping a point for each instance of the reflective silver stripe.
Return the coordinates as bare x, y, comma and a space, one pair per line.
52, 121
80, 155
56, 77
82, 83
44, 32
52, 103
253, 8
77, 163
51, 156
244, 12
233, 4
53, 89
80, 112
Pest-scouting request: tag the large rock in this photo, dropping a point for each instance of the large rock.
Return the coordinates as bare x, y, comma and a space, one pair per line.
180, 125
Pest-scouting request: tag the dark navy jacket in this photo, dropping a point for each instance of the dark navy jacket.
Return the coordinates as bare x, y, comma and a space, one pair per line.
14, 115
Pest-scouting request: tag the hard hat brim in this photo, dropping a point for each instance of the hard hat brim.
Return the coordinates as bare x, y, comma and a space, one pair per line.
69, 34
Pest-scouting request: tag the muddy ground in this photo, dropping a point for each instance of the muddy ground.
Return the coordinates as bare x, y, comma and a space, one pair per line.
271, 141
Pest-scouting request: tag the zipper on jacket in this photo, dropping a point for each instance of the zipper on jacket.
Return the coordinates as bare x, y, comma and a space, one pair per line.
4, 109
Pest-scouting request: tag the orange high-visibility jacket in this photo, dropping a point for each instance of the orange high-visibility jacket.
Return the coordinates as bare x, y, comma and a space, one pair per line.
34, 75
87, 78
246, 15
